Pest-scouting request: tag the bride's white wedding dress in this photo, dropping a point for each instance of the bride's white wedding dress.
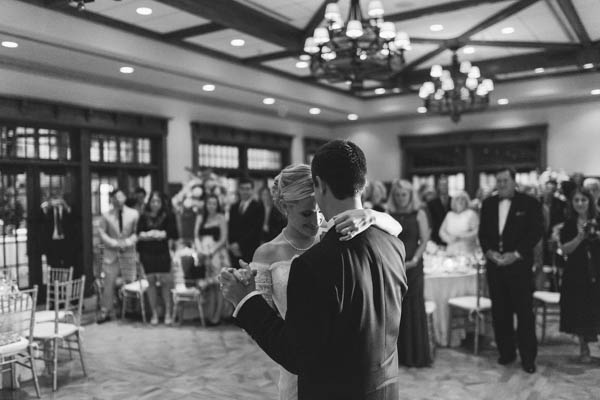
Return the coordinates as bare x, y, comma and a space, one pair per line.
272, 281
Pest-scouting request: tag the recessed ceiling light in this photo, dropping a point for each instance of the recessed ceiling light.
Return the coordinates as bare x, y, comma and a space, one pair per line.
539, 70
507, 30
352, 117
144, 10
301, 64
237, 42
315, 111
588, 66
304, 57
503, 102
10, 45
436, 28
126, 70
422, 110
268, 100
396, 90
380, 90
208, 88
595, 92
469, 50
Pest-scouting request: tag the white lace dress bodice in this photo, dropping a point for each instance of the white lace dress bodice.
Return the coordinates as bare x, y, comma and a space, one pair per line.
272, 281
458, 225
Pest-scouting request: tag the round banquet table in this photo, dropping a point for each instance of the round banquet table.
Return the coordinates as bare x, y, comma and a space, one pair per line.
439, 288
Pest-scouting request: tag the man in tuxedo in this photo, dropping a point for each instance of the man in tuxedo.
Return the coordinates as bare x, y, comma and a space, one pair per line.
118, 233
344, 297
58, 236
438, 208
511, 226
245, 223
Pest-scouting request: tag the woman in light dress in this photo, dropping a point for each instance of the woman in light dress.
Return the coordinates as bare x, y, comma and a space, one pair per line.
460, 227
293, 195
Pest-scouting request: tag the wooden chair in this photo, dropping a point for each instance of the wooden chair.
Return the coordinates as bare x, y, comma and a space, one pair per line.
549, 303
471, 309
17, 319
53, 275
186, 290
429, 311
67, 333
133, 289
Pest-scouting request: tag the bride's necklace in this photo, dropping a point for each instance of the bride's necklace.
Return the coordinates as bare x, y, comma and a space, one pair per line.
291, 244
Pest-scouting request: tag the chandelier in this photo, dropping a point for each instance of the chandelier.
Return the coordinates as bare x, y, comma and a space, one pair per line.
358, 49
457, 90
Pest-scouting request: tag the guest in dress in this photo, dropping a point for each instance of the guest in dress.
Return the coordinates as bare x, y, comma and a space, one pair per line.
413, 341
438, 208
157, 231
211, 236
274, 221
375, 196
580, 290
460, 227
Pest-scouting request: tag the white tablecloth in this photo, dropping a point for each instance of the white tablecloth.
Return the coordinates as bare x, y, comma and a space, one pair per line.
440, 288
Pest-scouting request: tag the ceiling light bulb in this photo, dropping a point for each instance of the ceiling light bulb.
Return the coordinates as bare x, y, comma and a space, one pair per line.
310, 45
301, 64
436, 71
469, 50
354, 29
9, 44
539, 70
379, 91
332, 12
376, 9
588, 66
387, 31
315, 111
238, 42
595, 92
352, 117
503, 102
126, 70
363, 56
268, 100
436, 28
465, 67
304, 57
321, 35
507, 30
402, 40
208, 88
422, 110
144, 10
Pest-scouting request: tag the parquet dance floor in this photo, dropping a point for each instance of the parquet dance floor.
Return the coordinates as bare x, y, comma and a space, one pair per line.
127, 360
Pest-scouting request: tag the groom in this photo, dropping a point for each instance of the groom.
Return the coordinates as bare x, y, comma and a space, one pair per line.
344, 297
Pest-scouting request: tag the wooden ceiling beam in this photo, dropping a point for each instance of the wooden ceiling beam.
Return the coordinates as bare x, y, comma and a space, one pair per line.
440, 8
242, 18
270, 57
570, 12
525, 45
194, 31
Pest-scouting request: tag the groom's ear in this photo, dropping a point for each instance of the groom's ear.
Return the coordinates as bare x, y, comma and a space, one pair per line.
320, 186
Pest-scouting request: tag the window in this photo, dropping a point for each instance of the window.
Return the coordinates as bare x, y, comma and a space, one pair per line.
32, 143
217, 156
264, 159
143, 151
124, 150
127, 150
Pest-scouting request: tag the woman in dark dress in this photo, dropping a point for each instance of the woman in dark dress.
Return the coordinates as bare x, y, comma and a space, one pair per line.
156, 228
580, 290
413, 341
210, 241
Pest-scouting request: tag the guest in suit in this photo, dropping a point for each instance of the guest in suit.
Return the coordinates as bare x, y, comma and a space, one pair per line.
511, 226
57, 232
118, 233
274, 221
438, 208
246, 219
343, 297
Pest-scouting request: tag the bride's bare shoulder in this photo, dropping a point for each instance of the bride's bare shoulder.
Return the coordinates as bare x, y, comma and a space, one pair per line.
270, 252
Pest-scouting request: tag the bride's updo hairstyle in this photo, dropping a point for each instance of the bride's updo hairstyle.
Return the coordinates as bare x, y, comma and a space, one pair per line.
294, 183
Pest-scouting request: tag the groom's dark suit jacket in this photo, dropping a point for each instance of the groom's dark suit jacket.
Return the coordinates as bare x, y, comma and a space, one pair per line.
342, 321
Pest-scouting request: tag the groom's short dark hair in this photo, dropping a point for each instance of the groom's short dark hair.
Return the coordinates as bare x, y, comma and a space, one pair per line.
342, 165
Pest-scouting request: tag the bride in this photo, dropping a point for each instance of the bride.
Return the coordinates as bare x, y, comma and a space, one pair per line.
293, 195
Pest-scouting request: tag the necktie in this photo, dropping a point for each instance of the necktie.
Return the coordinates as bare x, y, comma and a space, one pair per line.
242, 208
57, 232
121, 221
58, 223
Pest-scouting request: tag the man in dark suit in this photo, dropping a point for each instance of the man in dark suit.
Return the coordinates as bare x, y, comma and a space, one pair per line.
438, 208
57, 231
245, 223
344, 298
511, 226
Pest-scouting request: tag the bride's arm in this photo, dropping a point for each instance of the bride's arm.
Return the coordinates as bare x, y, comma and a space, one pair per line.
352, 222
264, 281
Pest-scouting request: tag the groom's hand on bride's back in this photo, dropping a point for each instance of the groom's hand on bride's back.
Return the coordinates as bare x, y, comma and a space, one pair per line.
237, 284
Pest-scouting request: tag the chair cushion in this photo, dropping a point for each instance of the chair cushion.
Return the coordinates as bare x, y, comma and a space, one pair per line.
135, 286
470, 303
45, 330
429, 307
15, 347
547, 297
48, 315
185, 291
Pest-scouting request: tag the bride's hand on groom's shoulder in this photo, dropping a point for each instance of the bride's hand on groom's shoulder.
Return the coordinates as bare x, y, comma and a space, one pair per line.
352, 222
